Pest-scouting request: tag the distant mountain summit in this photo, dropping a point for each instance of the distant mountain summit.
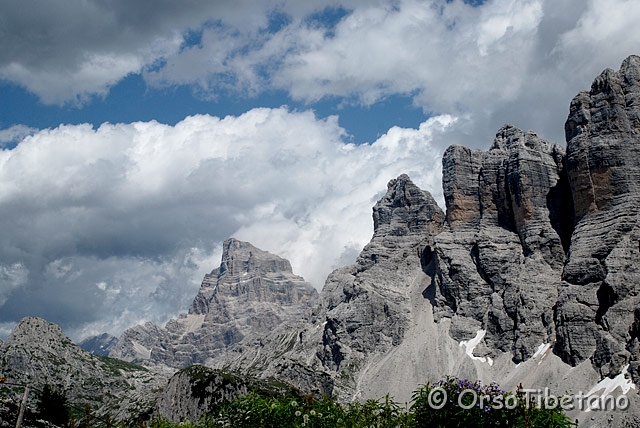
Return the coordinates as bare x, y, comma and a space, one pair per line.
252, 291
99, 345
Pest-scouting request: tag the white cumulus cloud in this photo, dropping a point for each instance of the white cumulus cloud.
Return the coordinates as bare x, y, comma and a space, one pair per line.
118, 224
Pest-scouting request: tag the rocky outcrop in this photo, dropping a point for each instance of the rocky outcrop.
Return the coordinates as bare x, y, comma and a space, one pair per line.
500, 257
596, 313
38, 353
530, 278
252, 292
196, 390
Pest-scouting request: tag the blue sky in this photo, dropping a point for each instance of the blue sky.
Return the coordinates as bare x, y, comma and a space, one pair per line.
131, 100
137, 136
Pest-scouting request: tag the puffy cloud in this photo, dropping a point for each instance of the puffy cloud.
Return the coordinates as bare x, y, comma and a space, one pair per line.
11, 277
70, 50
604, 31
518, 61
107, 227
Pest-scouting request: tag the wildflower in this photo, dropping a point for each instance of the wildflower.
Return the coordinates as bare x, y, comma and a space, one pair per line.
312, 412
294, 404
298, 412
274, 405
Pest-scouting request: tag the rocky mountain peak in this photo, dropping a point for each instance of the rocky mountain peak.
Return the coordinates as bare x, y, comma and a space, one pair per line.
251, 274
365, 305
405, 218
32, 327
252, 291
610, 106
509, 138
404, 209
241, 257
36, 332
99, 345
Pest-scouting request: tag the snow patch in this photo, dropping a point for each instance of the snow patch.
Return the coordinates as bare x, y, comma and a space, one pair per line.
470, 345
541, 351
544, 347
609, 385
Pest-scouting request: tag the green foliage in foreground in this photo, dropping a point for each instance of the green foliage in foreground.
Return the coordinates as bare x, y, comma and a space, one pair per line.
450, 402
460, 408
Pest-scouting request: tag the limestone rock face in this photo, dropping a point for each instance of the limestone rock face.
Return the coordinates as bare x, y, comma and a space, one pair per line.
364, 306
489, 271
38, 353
501, 254
542, 246
252, 291
598, 299
532, 277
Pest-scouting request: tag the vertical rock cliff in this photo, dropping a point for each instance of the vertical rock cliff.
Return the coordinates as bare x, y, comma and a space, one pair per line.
500, 256
542, 246
597, 313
